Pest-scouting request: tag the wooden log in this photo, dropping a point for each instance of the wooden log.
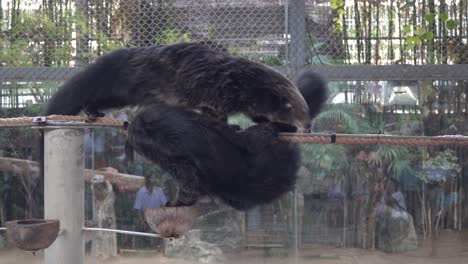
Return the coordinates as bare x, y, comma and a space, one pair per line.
19, 166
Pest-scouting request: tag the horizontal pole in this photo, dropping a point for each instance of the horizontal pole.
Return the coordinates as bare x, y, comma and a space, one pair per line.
316, 138
134, 233
131, 182
371, 139
96, 229
331, 72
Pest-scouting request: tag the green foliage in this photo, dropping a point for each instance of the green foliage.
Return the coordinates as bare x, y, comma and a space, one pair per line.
416, 35
429, 17
385, 156
443, 17
172, 36
37, 38
338, 6
452, 24
325, 160
14, 53
445, 164
335, 118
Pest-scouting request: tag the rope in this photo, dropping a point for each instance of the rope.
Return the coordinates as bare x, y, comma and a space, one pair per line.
370, 139
60, 121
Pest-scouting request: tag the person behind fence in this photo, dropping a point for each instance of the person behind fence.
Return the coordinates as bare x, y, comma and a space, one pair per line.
150, 195
395, 229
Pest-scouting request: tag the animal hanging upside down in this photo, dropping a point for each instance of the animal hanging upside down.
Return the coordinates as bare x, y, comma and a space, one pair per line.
209, 157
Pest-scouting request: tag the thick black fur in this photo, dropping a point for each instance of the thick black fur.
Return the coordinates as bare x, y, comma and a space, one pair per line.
313, 88
208, 157
184, 74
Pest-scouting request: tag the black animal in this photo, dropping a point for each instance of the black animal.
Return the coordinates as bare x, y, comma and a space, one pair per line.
206, 156
184, 74
209, 157
313, 88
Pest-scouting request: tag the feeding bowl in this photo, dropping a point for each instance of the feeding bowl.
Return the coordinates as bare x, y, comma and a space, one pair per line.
32, 234
171, 222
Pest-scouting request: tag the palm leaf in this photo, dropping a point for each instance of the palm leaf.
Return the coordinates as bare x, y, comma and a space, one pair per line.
334, 118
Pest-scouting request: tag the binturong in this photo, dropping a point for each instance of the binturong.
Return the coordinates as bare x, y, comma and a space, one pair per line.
182, 74
206, 156
209, 157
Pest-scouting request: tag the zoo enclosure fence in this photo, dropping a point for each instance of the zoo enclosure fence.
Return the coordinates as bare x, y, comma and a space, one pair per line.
45, 44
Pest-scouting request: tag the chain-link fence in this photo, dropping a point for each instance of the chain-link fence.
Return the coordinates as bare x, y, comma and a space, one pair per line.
366, 48
43, 41
277, 32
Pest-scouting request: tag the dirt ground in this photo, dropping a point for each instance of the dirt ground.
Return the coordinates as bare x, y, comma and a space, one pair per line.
327, 256
448, 249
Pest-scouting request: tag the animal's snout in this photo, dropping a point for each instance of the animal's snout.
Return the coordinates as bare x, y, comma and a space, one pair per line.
303, 127
304, 130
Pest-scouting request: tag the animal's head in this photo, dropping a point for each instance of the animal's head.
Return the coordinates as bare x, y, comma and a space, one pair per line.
281, 102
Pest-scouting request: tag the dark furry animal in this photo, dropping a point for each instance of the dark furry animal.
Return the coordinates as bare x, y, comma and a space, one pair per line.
313, 88
184, 74
208, 157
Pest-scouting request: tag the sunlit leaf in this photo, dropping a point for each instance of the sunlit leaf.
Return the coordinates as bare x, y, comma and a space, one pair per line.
443, 17
452, 24
429, 17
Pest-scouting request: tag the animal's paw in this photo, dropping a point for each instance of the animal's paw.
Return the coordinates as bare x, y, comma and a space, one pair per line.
93, 115
177, 203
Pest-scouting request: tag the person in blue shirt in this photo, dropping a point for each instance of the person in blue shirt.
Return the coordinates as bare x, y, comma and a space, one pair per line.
149, 196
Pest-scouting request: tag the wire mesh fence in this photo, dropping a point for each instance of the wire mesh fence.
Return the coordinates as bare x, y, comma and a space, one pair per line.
43, 41
367, 47
277, 32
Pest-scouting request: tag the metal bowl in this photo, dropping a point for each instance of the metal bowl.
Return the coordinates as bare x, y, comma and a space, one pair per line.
33, 234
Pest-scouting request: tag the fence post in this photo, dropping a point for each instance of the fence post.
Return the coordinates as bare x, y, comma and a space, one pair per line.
296, 29
64, 193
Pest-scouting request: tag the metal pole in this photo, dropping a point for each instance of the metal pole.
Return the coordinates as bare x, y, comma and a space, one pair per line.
126, 232
286, 32
64, 193
297, 30
296, 229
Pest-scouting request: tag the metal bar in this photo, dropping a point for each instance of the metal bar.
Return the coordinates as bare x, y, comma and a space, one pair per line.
36, 73
64, 193
388, 72
120, 231
296, 20
331, 72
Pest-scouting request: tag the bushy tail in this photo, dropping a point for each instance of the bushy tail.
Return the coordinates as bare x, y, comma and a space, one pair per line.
313, 88
74, 94
95, 87
66, 101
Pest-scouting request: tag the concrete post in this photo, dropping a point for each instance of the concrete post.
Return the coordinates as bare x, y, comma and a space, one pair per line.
64, 193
